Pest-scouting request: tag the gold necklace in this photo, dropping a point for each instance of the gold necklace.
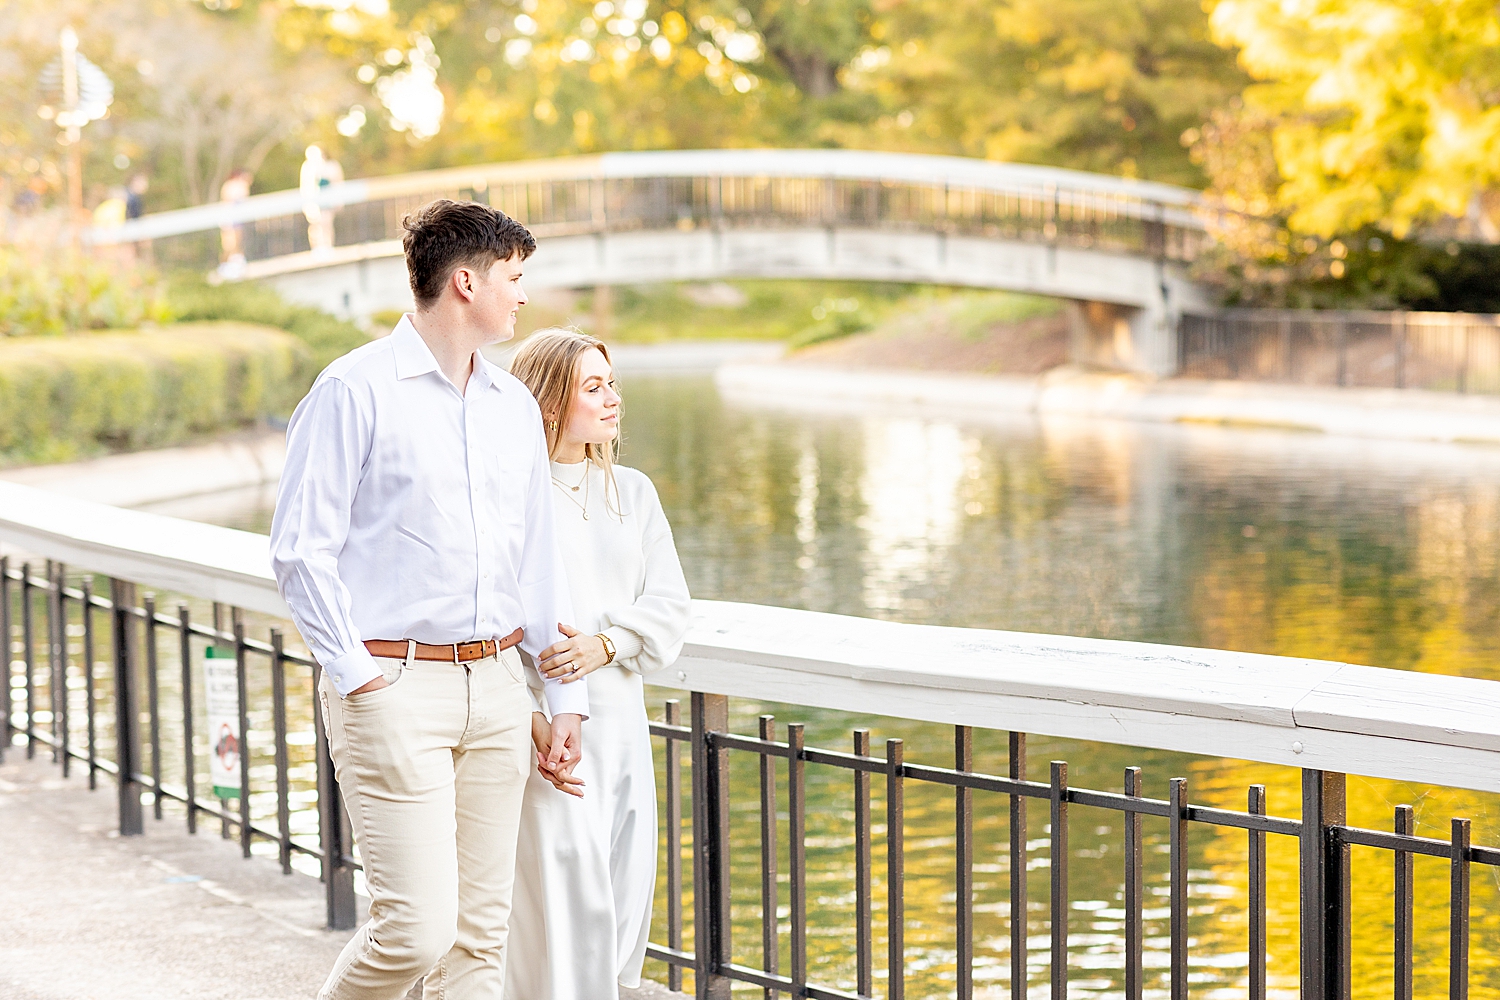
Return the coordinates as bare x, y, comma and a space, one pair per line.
570, 490
580, 482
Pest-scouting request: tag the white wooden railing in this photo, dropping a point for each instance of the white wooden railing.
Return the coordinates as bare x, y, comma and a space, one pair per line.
1282, 710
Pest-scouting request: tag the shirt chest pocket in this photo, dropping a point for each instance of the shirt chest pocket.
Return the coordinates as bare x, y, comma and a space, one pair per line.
502, 484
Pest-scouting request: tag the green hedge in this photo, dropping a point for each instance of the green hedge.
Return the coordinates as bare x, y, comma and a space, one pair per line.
66, 397
190, 298
47, 292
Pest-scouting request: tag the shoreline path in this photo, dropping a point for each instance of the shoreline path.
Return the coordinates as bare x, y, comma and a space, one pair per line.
165, 916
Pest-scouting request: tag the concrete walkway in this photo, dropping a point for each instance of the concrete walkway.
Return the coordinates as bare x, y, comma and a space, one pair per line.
166, 916
142, 477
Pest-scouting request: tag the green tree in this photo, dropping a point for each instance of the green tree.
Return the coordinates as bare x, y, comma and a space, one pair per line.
812, 42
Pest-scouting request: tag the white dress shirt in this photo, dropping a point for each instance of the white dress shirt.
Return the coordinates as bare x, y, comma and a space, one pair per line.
409, 510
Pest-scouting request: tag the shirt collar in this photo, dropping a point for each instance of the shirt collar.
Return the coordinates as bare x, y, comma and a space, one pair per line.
414, 357
487, 372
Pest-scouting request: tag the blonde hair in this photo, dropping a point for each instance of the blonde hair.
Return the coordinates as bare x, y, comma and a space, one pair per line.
547, 364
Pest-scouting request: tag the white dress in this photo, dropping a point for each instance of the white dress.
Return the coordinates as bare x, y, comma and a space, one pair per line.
586, 868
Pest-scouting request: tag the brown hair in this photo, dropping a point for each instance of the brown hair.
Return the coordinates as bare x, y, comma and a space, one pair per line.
547, 364
446, 235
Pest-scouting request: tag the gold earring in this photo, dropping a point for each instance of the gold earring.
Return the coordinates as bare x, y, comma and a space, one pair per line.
552, 425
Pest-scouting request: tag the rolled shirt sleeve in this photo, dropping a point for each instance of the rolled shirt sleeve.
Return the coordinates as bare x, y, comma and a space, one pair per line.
544, 583
327, 440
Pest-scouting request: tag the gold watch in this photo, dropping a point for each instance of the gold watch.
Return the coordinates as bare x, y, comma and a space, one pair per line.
609, 647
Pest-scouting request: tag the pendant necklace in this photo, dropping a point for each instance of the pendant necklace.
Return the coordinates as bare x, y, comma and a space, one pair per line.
570, 490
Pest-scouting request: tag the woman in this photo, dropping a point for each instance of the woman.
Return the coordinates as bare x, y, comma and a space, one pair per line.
586, 866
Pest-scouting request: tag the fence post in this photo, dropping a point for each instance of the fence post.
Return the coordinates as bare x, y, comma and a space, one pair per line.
1463, 372
1324, 862
242, 688
710, 847
28, 641
127, 715
1398, 330
1341, 335
57, 685
1284, 329
5, 702
338, 877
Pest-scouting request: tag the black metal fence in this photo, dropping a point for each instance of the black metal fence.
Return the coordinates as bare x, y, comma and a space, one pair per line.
1323, 839
127, 730
1450, 352
1101, 220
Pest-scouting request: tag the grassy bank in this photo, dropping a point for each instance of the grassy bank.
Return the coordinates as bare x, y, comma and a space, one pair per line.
798, 313
990, 333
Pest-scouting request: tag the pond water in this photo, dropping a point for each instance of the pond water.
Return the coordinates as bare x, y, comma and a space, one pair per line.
1371, 552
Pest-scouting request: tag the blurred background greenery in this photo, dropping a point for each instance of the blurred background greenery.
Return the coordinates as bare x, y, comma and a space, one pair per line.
1352, 128
1353, 145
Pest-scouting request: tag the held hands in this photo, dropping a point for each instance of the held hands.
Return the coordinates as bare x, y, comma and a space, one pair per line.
573, 658
559, 748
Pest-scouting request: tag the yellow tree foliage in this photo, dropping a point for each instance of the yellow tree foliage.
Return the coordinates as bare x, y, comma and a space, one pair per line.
1104, 85
1384, 112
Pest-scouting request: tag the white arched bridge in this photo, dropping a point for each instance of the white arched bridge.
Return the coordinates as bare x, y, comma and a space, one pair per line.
1120, 249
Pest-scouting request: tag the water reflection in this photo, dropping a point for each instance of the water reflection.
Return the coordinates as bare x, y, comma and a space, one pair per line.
1252, 540
1372, 552
913, 513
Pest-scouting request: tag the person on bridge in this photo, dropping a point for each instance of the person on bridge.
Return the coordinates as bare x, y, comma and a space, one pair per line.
413, 541
318, 173
586, 867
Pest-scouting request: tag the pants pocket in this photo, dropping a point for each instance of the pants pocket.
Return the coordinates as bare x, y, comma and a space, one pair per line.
512, 661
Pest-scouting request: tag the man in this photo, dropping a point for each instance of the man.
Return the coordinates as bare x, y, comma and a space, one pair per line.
413, 543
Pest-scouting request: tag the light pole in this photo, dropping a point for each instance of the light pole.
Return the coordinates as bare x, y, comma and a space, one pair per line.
86, 94
70, 119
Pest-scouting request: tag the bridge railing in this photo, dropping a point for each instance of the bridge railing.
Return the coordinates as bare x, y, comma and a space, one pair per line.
85, 681
711, 189
1440, 351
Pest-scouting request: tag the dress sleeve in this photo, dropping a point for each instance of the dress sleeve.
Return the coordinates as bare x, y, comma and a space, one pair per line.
658, 619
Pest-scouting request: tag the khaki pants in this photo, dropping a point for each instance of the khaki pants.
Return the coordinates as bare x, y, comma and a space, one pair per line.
433, 770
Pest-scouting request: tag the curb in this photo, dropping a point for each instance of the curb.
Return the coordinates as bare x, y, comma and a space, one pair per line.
1386, 414
143, 477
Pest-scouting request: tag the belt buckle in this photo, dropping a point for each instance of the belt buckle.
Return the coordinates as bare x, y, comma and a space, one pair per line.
456, 660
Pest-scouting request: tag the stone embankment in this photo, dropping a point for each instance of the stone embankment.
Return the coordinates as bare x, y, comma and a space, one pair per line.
1389, 414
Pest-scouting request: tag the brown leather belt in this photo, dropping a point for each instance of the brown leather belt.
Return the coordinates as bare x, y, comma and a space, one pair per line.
456, 652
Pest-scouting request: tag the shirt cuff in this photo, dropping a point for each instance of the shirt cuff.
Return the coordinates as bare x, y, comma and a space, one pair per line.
352, 671
627, 643
564, 699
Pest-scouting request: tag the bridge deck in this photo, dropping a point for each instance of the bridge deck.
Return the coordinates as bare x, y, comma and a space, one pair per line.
91, 914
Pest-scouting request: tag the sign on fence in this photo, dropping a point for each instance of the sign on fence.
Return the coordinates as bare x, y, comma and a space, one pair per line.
221, 693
